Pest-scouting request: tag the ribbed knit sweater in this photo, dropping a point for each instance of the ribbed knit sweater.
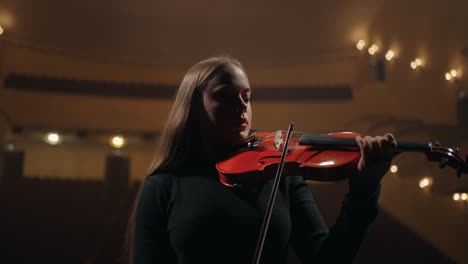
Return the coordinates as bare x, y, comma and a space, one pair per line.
188, 216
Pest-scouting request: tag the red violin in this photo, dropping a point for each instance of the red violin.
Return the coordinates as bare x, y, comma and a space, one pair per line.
327, 157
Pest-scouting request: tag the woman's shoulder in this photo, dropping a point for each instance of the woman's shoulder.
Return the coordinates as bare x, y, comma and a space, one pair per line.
158, 186
161, 178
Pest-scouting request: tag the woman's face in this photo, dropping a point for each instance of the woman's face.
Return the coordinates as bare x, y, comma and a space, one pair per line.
226, 103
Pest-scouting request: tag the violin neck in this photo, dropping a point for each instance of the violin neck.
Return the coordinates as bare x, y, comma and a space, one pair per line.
402, 146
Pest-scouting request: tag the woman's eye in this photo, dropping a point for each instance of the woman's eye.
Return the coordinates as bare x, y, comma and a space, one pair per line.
230, 98
219, 97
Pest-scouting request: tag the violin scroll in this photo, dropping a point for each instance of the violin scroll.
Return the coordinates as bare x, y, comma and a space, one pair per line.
448, 156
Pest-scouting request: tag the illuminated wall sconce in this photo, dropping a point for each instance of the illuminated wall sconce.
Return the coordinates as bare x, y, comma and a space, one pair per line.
451, 75
376, 63
373, 49
389, 55
53, 138
425, 182
117, 141
361, 44
394, 169
416, 63
454, 77
460, 197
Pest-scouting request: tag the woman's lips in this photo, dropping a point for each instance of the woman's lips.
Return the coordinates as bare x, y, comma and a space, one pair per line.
241, 123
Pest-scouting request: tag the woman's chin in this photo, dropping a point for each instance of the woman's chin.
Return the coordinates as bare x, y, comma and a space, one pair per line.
235, 136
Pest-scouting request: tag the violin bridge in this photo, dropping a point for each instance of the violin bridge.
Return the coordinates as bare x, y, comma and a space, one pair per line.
279, 141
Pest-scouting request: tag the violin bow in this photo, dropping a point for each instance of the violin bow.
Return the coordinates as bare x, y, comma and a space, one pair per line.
271, 202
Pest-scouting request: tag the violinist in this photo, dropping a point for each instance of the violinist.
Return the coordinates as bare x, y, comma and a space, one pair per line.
183, 214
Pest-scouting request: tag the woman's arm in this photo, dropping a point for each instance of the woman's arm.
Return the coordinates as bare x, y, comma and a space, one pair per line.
359, 209
311, 238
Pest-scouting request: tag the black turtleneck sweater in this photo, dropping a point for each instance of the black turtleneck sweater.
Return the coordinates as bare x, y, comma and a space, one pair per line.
188, 216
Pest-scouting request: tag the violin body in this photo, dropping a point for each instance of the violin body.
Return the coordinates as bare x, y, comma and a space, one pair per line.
260, 155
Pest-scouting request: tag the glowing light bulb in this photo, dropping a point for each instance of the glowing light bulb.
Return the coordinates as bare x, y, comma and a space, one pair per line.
394, 168
448, 76
361, 44
413, 65
453, 73
117, 141
1, 30
425, 182
389, 55
418, 61
456, 196
464, 196
373, 49
52, 138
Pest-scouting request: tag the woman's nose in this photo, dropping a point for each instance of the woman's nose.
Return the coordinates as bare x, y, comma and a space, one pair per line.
240, 104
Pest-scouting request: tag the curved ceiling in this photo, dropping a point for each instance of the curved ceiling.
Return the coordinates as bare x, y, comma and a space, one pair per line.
163, 32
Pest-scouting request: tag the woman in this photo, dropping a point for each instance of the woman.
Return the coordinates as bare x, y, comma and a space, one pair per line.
185, 215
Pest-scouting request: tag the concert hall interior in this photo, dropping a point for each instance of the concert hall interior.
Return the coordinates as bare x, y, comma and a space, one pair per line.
86, 87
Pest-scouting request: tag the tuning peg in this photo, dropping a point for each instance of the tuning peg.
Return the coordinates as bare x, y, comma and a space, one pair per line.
443, 162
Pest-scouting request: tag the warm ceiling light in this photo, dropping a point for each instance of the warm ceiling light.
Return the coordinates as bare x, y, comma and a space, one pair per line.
394, 168
117, 141
413, 65
1, 30
360, 44
53, 138
456, 196
389, 55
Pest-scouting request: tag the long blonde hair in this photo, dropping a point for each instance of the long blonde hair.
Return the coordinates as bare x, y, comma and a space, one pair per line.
175, 141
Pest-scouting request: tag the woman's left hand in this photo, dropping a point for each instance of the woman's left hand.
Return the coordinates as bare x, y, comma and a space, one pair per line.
376, 157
